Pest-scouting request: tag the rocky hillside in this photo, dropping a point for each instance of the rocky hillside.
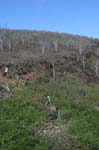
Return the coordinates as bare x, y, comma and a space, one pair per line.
53, 53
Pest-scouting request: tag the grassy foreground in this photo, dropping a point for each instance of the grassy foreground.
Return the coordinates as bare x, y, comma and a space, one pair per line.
23, 115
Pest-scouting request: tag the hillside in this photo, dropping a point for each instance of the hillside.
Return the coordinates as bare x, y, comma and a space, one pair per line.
49, 106
23, 123
28, 51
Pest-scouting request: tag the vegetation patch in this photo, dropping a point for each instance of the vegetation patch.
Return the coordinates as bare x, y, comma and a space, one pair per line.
23, 123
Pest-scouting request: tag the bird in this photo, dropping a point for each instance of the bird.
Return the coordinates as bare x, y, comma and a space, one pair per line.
53, 115
48, 101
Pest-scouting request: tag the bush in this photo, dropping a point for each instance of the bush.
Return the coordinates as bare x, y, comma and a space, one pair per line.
42, 79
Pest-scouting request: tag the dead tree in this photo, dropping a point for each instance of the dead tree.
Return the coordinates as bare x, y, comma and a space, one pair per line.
53, 71
83, 62
1, 44
77, 58
97, 52
79, 55
42, 44
81, 52
43, 49
1, 39
7, 39
56, 45
97, 68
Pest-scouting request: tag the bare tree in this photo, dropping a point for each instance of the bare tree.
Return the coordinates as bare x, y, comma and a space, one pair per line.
77, 58
1, 43
43, 49
97, 51
97, 68
56, 45
43, 45
81, 52
53, 71
1, 38
83, 62
7, 38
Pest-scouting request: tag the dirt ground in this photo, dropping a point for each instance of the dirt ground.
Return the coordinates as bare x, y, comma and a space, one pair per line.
4, 79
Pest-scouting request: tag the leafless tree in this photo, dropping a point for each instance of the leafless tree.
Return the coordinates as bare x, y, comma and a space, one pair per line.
7, 39
43, 45
81, 52
97, 68
77, 58
83, 62
1, 44
97, 51
43, 49
56, 45
53, 71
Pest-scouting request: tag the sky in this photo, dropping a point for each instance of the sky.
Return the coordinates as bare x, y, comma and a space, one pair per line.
79, 17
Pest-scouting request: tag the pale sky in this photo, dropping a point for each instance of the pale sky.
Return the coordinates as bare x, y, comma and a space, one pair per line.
79, 17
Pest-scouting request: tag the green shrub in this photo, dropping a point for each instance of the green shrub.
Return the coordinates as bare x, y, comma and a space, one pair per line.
42, 79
